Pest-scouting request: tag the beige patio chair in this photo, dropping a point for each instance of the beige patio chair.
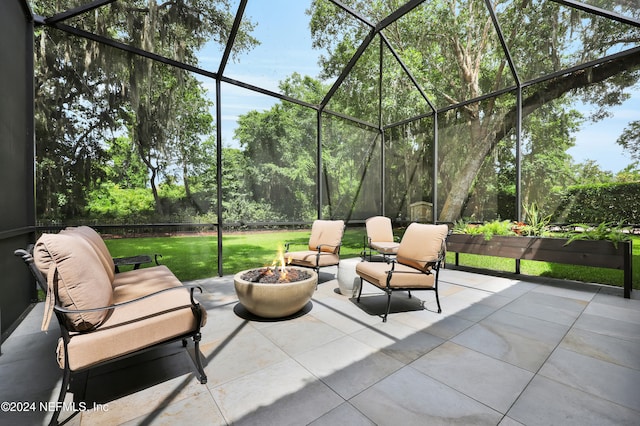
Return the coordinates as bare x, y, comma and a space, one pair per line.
415, 267
379, 238
324, 246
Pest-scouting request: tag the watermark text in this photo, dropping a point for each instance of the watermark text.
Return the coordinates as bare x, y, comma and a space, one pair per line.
31, 406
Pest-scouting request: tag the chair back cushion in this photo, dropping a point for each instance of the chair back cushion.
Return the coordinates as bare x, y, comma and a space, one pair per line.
379, 229
72, 267
327, 232
98, 245
421, 244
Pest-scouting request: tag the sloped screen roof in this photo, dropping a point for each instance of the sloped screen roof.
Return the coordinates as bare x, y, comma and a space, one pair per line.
438, 101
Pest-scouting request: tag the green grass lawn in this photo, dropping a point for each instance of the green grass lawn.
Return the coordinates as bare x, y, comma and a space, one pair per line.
194, 257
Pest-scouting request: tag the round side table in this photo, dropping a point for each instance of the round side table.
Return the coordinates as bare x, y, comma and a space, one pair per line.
348, 280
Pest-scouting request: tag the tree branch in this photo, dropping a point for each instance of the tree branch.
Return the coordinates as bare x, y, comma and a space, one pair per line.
557, 87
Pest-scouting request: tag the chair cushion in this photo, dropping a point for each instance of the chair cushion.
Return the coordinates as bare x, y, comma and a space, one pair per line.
327, 232
80, 277
403, 277
98, 245
385, 247
308, 258
421, 244
379, 229
138, 325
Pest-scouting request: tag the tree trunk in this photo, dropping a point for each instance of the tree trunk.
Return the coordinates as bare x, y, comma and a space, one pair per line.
154, 190
187, 189
550, 90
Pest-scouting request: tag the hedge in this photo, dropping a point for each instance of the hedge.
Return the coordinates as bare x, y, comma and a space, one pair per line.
613, 202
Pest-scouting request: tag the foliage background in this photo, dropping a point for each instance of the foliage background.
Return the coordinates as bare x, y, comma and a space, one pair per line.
123, 138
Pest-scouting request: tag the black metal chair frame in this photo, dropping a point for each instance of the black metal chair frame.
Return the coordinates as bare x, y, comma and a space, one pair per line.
136, 261
435, 268
27, 257
367, 250
317, 267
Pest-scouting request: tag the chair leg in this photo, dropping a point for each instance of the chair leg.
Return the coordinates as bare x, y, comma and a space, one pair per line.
202, 376
360, 289
438, 302
66, 377
384, 319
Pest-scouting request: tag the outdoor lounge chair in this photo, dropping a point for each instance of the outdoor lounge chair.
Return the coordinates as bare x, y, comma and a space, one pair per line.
106, 316
324, 246
379, 238
415, 267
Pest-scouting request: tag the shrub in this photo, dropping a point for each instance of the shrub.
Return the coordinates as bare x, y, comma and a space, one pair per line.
599, 203
110, 201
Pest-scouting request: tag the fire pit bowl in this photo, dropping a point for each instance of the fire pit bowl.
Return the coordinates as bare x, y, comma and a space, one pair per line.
274, 299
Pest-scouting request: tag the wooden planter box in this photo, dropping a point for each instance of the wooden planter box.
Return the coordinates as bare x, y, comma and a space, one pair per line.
601, 254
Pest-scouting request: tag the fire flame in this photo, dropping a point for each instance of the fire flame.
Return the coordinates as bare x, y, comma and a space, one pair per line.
281, 261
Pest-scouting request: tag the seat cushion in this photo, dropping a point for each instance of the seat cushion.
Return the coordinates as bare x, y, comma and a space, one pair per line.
138, 325
308, 258
98, 245
327, 234
403, 276
80, 278
385, 247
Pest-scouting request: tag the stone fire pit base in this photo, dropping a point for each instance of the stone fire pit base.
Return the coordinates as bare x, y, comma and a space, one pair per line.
277, 300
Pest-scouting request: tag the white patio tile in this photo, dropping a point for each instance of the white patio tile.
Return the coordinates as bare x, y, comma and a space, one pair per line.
548, 307
606, 348
604, 380
485, 379
408, 397
344, 414
348, 366
545, 402
337, 363
517, 339
280, 394
398, 341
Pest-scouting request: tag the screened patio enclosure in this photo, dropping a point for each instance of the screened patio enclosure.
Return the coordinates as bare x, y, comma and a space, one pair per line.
245, 112
455, 106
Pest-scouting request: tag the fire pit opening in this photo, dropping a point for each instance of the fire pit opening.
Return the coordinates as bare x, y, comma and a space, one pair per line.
275, 275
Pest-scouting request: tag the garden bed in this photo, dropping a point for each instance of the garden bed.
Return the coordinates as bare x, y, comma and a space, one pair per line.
596, 253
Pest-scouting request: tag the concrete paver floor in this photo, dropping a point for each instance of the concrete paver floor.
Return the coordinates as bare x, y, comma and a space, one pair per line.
504, 351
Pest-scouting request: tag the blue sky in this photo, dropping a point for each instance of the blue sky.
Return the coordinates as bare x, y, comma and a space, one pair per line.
597, 141
285, 48
282, 29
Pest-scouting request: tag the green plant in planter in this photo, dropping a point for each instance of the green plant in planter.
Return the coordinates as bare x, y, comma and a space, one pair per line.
463, 226
608, 231
535, 223
488, 229
496, 227
537, 226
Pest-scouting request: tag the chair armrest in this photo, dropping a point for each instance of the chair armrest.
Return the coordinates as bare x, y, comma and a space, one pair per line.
286, 245
441, 256
27, 257
191, 287
319, 247
434, 262
132, 260
136, 261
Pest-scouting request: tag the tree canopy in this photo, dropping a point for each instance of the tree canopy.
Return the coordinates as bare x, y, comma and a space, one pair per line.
429, 112
454, 54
